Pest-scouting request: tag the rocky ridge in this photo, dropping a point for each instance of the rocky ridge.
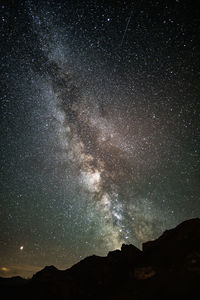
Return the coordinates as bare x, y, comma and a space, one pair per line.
166, 268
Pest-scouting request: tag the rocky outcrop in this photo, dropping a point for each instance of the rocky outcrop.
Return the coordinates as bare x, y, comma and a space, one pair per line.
174, 246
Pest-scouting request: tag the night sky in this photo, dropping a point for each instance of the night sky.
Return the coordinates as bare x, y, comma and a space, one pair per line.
100, 127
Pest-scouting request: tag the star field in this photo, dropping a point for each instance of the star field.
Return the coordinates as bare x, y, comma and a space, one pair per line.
100, 127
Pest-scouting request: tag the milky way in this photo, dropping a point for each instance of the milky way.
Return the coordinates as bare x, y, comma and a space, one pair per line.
105, 147
101, 128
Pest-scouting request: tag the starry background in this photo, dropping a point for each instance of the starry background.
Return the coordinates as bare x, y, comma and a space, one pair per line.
100, 127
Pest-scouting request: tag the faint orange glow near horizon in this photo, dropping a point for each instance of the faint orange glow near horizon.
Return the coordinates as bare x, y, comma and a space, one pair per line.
4, 269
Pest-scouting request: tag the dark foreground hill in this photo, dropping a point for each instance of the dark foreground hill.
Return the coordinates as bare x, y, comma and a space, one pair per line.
167, 268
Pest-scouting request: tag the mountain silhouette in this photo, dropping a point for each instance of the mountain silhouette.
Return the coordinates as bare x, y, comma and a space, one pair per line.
166, 268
